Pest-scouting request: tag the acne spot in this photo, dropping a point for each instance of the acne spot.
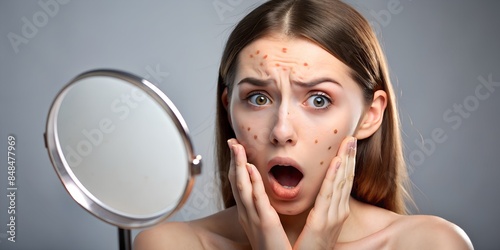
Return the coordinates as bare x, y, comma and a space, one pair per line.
248, 129
277, 65
306, 64
321, 163
257, 52
265, 56
335, 131
293, 72
261, 64
284, 50
251, 56
315, 141
255, 137
329, 147
284, 69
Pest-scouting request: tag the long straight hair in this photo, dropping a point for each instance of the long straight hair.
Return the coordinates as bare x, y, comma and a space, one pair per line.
381, 177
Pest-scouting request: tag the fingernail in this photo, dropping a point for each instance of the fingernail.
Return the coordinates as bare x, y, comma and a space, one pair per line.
249, 169
352, 149
352, 143
337, 165
234, 149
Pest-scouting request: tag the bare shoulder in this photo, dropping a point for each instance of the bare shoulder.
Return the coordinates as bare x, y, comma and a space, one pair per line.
170, 235
217, 231
428, 232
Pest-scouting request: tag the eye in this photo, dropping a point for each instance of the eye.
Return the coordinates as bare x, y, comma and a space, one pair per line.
319, 101
258, 99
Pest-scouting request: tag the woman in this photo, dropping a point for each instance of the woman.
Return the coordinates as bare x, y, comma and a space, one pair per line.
309, 149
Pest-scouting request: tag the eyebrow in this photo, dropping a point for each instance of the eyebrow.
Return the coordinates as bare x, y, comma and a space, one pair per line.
256, 82
263, 83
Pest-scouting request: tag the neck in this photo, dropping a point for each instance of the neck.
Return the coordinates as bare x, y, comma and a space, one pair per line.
294, 224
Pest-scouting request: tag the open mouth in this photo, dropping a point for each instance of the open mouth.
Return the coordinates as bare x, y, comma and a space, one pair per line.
287, 176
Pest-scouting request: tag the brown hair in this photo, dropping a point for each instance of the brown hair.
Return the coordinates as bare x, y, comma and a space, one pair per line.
381, 175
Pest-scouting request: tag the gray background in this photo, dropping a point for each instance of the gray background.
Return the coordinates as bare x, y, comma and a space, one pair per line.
437, 51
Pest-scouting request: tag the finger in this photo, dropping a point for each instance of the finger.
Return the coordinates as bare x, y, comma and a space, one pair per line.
243, 182
242, 178
341, 174
350, 170
232, 179
339, 183
323, 201
260, 198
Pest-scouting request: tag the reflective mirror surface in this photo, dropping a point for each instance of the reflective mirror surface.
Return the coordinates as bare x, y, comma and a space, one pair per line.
121, 148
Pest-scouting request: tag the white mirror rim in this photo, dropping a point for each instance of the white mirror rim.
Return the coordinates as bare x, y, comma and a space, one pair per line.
78, 191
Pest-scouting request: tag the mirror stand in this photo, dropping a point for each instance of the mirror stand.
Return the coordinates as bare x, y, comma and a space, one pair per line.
124, 239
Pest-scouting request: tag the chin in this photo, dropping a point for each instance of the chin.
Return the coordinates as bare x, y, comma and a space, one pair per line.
291, 208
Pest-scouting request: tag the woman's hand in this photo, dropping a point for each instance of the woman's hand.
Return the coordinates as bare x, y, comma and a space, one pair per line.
258, 218
331, 207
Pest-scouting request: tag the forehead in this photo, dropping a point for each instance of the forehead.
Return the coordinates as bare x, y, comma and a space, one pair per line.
300, 54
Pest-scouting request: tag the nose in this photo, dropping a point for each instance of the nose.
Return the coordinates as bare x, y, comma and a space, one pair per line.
283, 132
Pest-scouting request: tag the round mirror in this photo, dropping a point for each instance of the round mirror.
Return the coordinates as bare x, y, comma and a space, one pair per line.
121, 148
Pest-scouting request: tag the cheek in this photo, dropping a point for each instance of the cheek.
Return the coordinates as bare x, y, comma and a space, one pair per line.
252, 133
326, 144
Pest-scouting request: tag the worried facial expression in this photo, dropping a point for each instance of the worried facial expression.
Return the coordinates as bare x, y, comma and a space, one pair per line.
291, 106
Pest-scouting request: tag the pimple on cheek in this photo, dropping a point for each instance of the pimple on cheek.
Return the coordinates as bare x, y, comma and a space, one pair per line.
249, 128
321, 163
306, 64
255, 137
284, 50
251, 56
277, 65
335, 131
265, 57
330, 147
257, 52
315, 141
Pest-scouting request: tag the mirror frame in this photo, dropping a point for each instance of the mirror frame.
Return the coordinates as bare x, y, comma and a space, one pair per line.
73, 186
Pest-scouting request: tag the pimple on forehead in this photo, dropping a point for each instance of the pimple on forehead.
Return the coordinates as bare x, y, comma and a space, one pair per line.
321, 163
251, 56
265, 57
306, 64
255, 137
316, 141
284, 50
257, 52
329, 147
249, 128
335, 131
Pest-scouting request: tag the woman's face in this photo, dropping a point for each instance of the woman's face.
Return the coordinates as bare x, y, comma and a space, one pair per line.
291, 106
